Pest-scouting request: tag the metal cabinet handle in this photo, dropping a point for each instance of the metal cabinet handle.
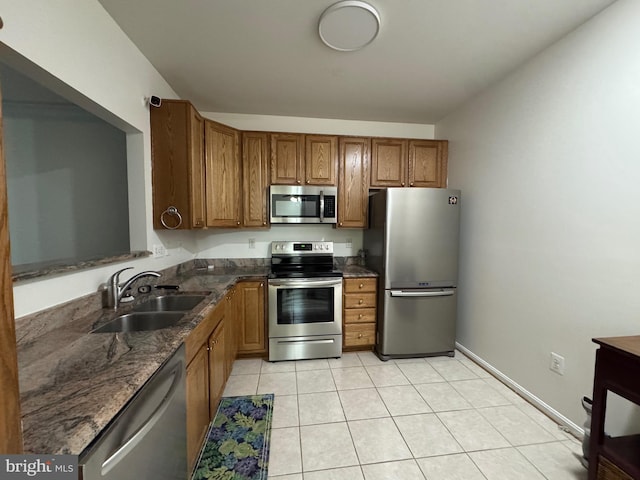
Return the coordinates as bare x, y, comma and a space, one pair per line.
174, 212
361, 285
360, 301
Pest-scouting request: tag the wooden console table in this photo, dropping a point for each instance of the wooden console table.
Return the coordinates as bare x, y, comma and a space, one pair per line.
618, 371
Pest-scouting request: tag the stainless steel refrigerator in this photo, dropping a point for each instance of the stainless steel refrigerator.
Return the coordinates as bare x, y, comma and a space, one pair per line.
412, 242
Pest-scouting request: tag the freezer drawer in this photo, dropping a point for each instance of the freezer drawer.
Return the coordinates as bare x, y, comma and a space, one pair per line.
417, 323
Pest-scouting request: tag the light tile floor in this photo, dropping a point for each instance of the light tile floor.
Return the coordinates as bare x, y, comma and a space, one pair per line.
358, 418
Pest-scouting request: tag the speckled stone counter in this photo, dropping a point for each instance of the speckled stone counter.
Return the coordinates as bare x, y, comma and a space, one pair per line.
73, 383
350, 271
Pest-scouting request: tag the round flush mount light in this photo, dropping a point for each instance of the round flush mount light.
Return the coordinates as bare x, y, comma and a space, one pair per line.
349, 25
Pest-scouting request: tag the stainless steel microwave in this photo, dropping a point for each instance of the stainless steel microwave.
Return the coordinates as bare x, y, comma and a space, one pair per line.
303, 204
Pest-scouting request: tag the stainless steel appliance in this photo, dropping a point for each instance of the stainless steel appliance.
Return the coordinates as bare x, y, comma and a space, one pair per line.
148, 438
412, 242
303, 204
305, 302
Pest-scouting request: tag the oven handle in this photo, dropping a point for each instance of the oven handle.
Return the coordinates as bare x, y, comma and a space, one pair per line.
311, 282
321, 206
306, 341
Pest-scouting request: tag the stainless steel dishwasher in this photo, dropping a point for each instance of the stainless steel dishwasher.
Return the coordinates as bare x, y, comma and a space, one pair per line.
148, 437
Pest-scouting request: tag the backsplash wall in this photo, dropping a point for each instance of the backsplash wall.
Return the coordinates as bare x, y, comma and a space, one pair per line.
231, 243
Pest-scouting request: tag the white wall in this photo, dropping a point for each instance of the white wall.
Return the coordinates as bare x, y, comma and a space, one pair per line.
96, 65
274, 123
548, 162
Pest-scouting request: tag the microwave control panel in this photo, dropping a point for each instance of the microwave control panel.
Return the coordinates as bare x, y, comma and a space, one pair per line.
330, 206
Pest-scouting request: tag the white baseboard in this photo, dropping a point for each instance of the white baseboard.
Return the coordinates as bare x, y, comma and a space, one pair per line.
573, 428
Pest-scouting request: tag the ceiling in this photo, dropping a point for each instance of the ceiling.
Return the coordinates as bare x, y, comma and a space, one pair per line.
266, 57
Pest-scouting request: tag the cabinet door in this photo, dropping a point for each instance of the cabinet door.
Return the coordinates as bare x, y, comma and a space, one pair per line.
353, 182
252, 335
196, 168
320, 159
428, 163
232, 319
177, 165
286, 158
223, 175
388, 162
217, 372
197, 385
255, 178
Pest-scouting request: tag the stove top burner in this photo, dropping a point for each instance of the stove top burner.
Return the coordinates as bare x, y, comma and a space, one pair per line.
302, 260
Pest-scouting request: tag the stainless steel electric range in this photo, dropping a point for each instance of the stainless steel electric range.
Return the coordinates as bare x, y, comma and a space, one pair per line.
305, 302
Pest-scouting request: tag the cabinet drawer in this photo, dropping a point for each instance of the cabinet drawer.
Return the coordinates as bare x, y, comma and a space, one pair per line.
362, 300
354, 285
360, 315
359, 334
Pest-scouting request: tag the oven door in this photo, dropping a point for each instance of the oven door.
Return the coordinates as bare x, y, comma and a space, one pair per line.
303, 307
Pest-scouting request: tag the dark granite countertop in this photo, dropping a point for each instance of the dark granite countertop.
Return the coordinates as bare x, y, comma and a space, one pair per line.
73, 383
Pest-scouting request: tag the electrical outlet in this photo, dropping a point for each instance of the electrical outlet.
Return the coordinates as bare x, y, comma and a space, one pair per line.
252, 243
349, 243
158, 250
556, 363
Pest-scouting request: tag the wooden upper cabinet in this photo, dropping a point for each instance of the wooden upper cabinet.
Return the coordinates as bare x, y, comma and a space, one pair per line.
388, 162
408, 163
298, 159
177, 141
255, 178
428, 163
286, 158
353, 186
320, 159
223, 177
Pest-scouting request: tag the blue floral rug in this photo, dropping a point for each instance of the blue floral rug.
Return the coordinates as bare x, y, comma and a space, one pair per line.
237, 443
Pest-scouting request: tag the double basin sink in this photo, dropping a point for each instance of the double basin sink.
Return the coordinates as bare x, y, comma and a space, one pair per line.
157, 313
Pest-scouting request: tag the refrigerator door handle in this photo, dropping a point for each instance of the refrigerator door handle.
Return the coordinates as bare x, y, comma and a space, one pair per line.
431, 293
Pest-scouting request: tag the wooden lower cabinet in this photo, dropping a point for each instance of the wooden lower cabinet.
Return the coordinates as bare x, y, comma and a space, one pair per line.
252, 338
205, 377
232, 328
359, 312
235, 326
198, 403
217, 367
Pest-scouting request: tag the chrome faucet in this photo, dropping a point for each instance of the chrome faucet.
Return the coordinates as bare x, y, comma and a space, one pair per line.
116, 290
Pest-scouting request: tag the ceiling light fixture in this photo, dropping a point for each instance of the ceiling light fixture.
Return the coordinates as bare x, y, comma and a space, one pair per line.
349, 25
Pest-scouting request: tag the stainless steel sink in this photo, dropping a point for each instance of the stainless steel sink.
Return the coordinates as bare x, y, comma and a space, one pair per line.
141, 321
170, 303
